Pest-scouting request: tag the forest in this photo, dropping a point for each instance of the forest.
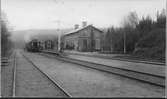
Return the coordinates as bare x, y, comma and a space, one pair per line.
144, 37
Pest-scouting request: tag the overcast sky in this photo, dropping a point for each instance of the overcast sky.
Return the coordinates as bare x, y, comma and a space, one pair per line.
45, 14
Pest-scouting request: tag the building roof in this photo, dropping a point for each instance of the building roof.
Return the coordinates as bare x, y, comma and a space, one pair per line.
77, 30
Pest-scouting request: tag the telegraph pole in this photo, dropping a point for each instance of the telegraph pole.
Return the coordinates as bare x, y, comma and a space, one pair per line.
124, 42
59, 35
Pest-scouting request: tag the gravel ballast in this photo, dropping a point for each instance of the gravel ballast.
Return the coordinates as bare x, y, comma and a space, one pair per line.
80, 81
30, 82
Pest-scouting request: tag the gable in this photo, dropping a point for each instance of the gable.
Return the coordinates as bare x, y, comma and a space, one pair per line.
81, 29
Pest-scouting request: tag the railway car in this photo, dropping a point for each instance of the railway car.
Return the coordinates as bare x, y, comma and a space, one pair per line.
48, 44
33, 46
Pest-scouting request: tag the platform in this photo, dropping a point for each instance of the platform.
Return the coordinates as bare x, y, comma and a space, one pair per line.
140, 67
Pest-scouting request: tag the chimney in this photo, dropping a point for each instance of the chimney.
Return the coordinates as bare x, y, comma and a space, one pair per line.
84, 23
76, 26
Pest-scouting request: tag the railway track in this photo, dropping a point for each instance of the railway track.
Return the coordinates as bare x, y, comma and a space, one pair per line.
140, 76
14, 76
127, 58
56, 84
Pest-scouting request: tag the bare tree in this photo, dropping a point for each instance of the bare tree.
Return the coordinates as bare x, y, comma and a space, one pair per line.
129, 23
131, 20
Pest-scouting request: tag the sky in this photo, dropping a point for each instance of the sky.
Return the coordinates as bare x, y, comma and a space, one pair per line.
53, 14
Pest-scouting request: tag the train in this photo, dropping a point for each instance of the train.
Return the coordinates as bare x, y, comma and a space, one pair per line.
33, 46
36, 45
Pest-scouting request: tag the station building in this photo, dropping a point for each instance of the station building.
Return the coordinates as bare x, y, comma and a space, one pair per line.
87, 38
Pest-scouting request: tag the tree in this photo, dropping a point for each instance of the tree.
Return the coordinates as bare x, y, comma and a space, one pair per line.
6, 43
129, 25
145, 26
153, 44
131, 20
152, 37
161, 19
108, 39
117, 40
113, 40
144, 37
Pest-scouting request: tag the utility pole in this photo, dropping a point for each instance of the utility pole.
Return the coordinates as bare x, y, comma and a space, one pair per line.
59, 35
124, 42
92, 41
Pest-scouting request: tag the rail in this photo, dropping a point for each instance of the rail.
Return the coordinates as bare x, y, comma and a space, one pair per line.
14, 75
54, 81
145, 77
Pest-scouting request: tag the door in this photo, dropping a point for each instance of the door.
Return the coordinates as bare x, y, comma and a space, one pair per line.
84, 45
